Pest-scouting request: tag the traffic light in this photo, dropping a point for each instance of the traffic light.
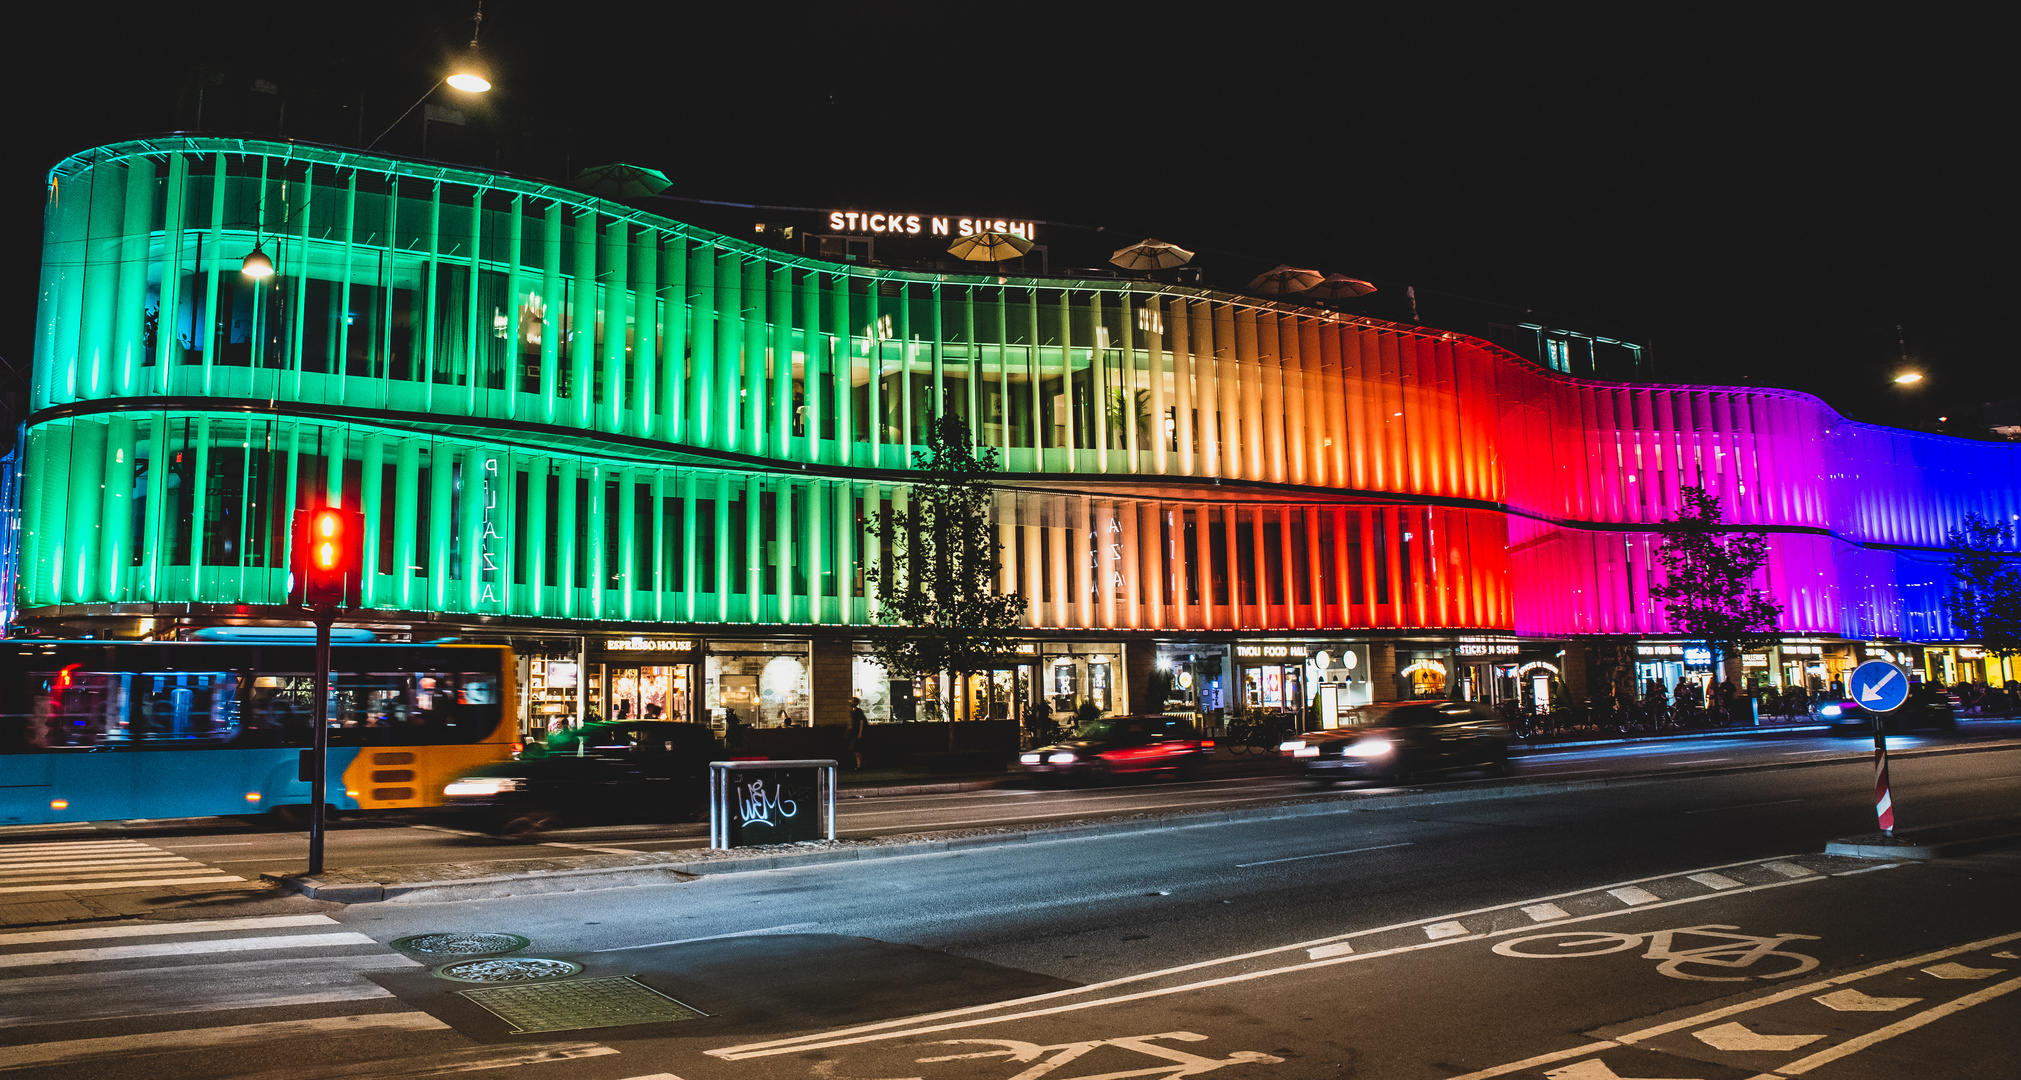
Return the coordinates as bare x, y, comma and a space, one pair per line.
326, 558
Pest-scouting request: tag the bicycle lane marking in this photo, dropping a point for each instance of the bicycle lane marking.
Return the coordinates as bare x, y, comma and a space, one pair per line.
1030, 1007
1821, 988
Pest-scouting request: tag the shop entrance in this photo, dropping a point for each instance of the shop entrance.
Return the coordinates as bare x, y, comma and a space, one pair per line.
649, 692
999, 694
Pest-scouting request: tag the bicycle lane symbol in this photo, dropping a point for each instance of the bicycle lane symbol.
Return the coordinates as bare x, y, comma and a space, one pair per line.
1725, 952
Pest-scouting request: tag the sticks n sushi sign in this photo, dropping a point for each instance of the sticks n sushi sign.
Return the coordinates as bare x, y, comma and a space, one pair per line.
856, 221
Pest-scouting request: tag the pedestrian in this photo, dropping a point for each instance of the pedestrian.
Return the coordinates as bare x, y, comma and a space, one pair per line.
733, 729
859, 726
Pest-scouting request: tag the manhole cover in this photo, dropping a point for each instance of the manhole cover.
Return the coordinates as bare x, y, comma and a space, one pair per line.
583, 1003
461, 944
506, 969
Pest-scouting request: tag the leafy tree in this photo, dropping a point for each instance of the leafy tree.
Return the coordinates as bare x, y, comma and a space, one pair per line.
938, 609
1985, 592
1710, 572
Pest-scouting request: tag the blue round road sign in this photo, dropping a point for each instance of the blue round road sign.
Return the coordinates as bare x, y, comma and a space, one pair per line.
1878, 686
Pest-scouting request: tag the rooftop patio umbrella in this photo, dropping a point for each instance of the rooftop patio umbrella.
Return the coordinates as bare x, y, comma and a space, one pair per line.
620, 181
1151, 255
1340, 287
989, 247
1285, 279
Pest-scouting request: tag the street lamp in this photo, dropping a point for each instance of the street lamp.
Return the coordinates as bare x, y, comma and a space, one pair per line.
470, 75
1907, 377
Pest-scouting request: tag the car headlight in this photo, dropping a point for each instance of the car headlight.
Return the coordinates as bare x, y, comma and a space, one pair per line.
1369, 748
1305, 751
1064, 757
1830, 710
1029, 759
1291, 746
481, 785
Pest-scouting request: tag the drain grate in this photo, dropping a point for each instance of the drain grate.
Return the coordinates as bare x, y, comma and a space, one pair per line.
506, 969
461, 944
584, 1003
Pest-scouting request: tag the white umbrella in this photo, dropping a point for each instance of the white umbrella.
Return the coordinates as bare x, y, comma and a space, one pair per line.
989, 247
1151, 255
1285, 279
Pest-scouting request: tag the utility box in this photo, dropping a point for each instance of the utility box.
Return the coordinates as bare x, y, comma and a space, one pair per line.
771, 802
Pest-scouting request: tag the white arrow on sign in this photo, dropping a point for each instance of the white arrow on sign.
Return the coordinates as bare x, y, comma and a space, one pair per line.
1590, 1070
1872, 691
1736, 1036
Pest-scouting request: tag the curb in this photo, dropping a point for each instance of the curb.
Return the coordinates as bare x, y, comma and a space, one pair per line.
684, 866
951, 787
1892, 848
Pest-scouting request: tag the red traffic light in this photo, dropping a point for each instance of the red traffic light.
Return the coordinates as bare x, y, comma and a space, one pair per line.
326, 559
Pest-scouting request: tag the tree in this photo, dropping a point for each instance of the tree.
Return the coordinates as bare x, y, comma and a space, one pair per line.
938, 609
1709, 575
1985, 592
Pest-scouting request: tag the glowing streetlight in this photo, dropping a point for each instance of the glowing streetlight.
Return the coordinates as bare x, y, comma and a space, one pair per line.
1908, 377
257, 265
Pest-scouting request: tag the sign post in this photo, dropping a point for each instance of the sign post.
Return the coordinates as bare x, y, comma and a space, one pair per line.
1880, 688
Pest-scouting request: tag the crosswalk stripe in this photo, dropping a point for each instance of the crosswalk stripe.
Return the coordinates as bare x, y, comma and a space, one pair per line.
86, 864
72, 1050
1443, 930
23, 851
164, 929
181, 948
79, 886
1545, 912
88, 876
176, 978
1789, 870
1714, 881
1632, 896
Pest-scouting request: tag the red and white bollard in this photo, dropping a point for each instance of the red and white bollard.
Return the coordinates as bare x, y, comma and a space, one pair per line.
1884, 806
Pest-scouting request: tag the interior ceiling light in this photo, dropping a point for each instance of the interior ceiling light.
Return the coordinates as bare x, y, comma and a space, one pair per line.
257, 265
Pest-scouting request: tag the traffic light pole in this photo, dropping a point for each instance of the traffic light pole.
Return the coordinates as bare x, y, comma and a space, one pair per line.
319, 738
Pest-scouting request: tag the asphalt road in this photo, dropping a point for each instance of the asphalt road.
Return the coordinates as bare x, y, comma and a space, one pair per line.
1679, 929
1230, 782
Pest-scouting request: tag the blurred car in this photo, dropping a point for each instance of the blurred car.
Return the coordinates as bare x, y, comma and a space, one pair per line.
623, 771
1400, 741
1926, 708
1122, 745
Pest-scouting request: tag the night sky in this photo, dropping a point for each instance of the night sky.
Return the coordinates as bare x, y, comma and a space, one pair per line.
1761, 201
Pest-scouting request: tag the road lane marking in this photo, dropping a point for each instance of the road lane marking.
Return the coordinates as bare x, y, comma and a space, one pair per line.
1788, 870
717, 937
1734, 1035
1867, 869
1545, 912
1595, 1069
1960, 971
1700, 761
1443, 930
1856, 1044
80, 886
1632, 896
95, 864
1742, 806
882, 1030
56, 1053
1325, 854
181, 948
1714, 881
95, 933
195, 847
1850, 1000
1340, 948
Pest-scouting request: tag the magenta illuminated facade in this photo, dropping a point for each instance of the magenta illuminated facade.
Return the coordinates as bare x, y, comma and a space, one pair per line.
567, 416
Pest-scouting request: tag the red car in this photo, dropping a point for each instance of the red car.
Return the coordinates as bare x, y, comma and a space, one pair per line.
1123, 744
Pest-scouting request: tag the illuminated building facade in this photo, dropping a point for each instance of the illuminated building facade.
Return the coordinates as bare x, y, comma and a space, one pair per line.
565, 416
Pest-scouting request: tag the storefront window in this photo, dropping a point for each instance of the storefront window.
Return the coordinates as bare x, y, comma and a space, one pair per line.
1420, 675
759, 684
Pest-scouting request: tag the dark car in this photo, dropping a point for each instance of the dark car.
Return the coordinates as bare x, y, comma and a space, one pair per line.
1123, 745
624, 771
1401, 741
1926, 707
